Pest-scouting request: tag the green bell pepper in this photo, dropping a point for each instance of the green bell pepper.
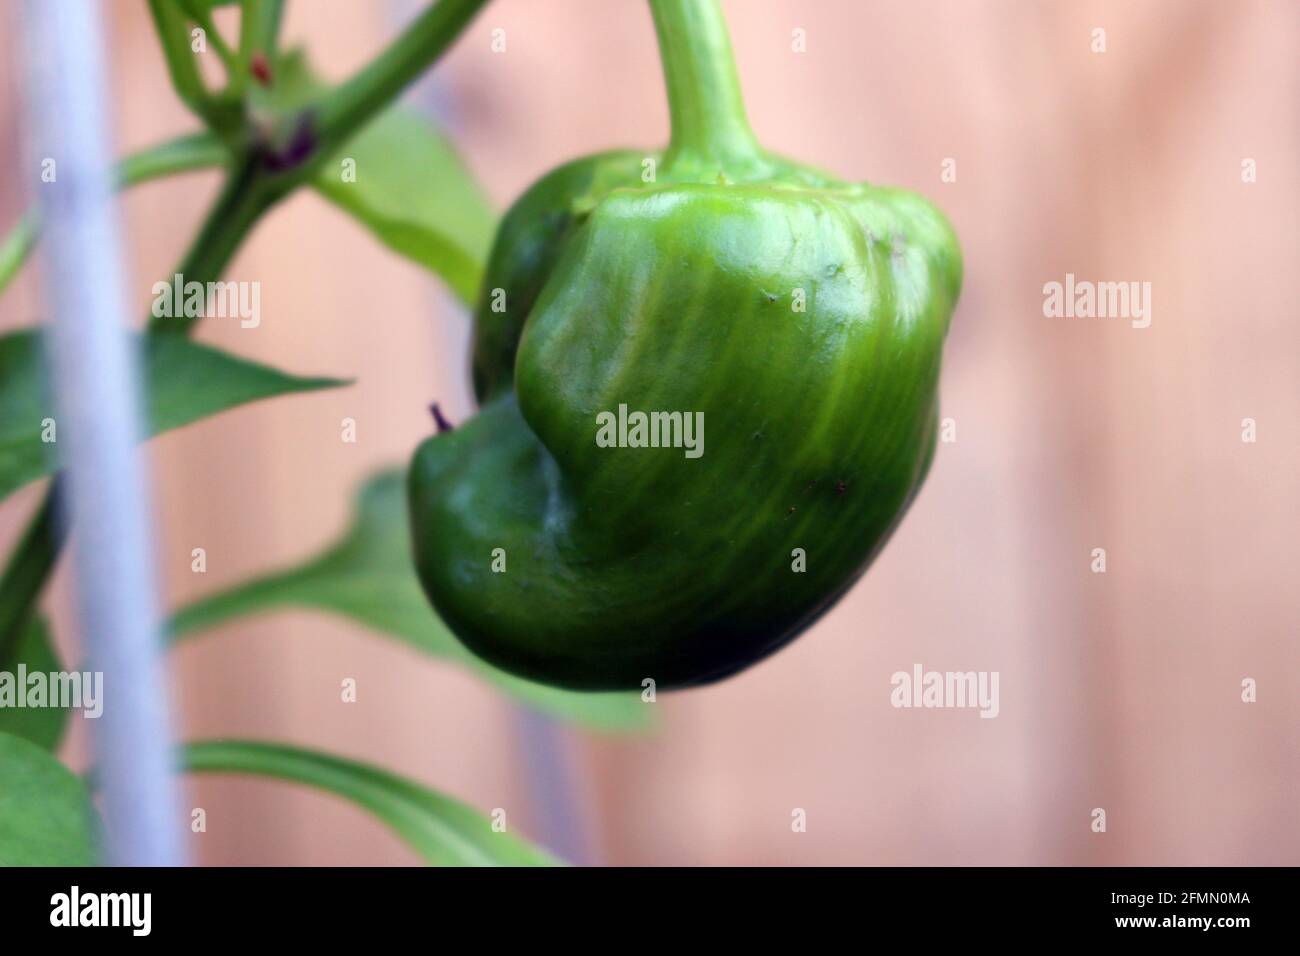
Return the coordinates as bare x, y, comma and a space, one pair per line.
786, 328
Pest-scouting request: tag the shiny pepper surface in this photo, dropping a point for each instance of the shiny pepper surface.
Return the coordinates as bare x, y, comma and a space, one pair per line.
794, 323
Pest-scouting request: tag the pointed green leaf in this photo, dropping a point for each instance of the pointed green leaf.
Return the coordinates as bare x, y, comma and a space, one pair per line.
186, 381
414, 193
402, 179
444, 831
368, 577
46, 817
34, 651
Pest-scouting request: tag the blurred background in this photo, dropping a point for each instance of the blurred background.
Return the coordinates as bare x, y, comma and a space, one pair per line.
1119, 690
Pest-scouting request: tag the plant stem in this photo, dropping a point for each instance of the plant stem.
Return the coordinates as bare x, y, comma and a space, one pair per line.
704, 99
203, 17
169, 20
340, 114
199, 150
377, 84
259, 31
259, 28
249, 191
242, 201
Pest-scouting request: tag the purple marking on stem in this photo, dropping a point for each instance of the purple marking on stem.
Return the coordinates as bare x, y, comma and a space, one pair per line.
301, 146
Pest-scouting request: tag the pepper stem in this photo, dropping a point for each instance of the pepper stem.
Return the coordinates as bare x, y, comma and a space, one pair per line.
704, 100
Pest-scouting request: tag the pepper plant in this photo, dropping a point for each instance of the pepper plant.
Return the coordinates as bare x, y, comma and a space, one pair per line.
801, 314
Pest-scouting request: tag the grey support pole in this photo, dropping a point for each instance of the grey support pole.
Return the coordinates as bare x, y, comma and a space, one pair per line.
99, 426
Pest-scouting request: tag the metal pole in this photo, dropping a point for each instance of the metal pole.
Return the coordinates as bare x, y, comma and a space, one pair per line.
556, 789
99, 427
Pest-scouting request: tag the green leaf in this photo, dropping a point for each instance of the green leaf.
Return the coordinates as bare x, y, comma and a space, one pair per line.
368, 577
186, 382
414, 193
201, 150
444, 831
411, 188
43, 726
17, 246
46, 817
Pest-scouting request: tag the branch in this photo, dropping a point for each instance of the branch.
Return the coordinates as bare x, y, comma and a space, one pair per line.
174, 36
259, 31
203, 17
350, 106
251, 188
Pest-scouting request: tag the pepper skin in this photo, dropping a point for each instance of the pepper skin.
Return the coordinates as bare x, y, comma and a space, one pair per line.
802, 316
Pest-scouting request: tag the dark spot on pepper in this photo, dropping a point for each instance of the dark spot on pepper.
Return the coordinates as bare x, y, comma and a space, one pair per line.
841, 486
